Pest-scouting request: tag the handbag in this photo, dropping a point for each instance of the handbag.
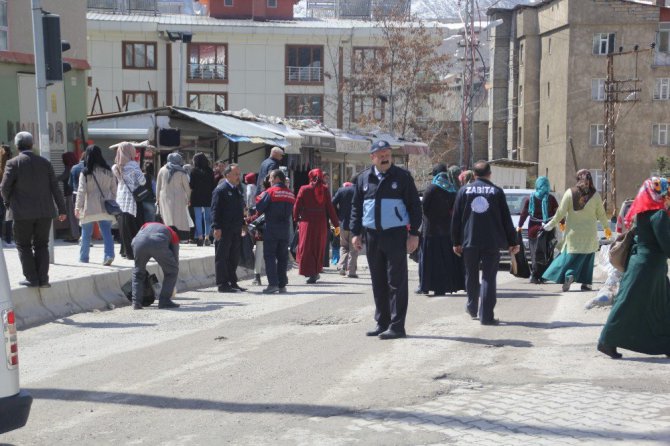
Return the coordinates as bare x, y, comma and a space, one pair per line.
141, 193
111, 206
150, 289
620, 250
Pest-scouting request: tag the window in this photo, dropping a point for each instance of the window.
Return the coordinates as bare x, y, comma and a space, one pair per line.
603, 43
146, 99
213, 102
659, 136
598, 89
663, 44
597, 176
304, 64
139, 55
521, 54
597, 135
366, 57
272, 3
4, 30
304, 106
367, 107
662, 89
207, 62
227, 2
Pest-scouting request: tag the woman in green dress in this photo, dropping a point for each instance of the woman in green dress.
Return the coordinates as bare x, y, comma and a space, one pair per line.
581, 207
640, 317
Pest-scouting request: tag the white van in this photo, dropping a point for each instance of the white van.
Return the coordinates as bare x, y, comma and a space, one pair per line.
14, 403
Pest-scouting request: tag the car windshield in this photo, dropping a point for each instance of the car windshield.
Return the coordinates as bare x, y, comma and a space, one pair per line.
515, 202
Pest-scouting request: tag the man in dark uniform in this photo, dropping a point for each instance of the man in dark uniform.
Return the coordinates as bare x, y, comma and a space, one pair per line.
277, 205
480, 227
269, 164
227, 223
155, 240
348, 254
385, 203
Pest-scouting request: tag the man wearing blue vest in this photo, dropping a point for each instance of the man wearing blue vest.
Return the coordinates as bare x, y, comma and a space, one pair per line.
386, 205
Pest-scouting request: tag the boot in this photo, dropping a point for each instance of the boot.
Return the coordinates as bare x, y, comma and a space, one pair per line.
257, 280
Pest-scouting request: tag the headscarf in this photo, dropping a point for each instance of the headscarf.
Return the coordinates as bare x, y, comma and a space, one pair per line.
92, 159
448, 180
542, 189
125, 153
439, 168
69, 160
650, 197
583, 190
175, 163
250, 178
466, 176
316, 180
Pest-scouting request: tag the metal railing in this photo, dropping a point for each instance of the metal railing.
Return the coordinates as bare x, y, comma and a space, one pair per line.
124, 6
304, 74
216, 72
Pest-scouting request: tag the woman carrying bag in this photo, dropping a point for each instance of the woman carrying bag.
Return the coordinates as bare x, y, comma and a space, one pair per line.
129, 177
96, 184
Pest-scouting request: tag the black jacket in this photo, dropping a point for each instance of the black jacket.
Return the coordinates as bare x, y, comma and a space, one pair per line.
202, 185
481, 217
227, 207
389, 203
277, 205
342, 202
268, 165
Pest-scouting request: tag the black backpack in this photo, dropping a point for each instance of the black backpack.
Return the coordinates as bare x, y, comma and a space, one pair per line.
149, 294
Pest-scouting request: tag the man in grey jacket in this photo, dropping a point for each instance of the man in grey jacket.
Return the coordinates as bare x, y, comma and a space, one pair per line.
29, 189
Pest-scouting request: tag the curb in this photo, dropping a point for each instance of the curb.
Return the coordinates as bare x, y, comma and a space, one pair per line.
36, 306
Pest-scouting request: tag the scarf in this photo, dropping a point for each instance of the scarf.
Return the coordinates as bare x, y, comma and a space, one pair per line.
448, 180
124, 154
583, 190
541, 193
650, 197
175, 163
316, 181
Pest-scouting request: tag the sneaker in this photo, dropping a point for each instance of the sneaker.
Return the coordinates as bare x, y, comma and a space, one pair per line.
108, 261
567, 283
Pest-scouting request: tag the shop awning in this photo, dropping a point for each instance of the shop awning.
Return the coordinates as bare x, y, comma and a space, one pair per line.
318, 140
292, 137
349, 143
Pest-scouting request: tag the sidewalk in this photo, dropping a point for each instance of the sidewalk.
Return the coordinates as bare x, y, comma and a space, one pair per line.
78, 287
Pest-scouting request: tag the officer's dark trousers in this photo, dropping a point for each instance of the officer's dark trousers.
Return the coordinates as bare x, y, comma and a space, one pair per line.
32, 243
486, 292
227, 256
275, 254
145, 248
387, 258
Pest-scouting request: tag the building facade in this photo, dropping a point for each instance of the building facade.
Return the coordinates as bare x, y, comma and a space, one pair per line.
547, 97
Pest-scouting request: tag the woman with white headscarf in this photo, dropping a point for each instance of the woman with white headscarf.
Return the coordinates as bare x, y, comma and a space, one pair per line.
129, 176
173, 192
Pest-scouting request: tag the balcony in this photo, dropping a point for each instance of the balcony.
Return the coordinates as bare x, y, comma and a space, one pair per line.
124, 6
304, 75
207, 72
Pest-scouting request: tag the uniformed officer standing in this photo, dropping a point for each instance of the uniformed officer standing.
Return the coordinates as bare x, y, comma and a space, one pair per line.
155, 240
480, 227
385, 203
227, 223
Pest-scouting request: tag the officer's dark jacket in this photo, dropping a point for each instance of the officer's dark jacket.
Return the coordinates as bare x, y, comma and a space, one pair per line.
342, 202
269, 164
277, 205
387, 203
481, 217
227, 207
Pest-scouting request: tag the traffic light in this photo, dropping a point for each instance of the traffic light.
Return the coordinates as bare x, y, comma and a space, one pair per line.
54, 48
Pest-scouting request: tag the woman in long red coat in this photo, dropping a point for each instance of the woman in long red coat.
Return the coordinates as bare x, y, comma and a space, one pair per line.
312, 209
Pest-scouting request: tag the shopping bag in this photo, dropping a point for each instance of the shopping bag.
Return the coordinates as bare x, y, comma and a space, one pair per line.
247, 259
519, 265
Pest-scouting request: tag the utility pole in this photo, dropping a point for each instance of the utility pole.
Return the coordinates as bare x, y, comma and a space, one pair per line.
616, 93
466, 152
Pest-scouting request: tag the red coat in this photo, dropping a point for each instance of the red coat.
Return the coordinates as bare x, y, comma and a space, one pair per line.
312, 218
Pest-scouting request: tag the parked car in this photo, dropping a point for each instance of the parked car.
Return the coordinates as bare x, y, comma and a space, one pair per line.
14, 403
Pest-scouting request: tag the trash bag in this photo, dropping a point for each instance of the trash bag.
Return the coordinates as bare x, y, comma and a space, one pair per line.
546, 242
247, 259
150, 286
519, 264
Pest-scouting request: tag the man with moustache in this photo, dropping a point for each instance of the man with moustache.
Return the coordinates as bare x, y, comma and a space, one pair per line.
385, 204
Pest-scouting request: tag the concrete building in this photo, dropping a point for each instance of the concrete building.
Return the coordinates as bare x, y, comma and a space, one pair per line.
548, 73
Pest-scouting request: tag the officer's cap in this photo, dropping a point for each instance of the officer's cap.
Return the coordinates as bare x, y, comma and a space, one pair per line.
379, 145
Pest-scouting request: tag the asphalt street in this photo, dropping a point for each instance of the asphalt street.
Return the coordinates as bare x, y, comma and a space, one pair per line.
296, 369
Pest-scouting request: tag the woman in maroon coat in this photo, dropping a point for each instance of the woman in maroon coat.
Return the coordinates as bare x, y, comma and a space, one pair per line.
312, 209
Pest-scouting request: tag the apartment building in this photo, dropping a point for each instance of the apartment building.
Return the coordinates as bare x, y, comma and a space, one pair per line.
547, 96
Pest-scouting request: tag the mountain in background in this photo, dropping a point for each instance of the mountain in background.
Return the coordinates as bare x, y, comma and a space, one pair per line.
437, 9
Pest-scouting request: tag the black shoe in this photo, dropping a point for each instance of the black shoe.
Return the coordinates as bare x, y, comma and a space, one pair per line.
271, 290
392, 334
45, 285
586, 287
257, 280
376, 332
282, 289
420, 291
168, 304
535, 280
29, 284
474, 317
237, 287
137, 307
226, 289
199, 242
609, 351
439, 294
491, 322
352, 276
313, 279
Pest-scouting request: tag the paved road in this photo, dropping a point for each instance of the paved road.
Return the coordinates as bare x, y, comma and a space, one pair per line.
295, 369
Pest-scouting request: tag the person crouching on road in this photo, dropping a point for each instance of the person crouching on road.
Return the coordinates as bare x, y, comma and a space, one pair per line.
277, 204
385, 202
160, 242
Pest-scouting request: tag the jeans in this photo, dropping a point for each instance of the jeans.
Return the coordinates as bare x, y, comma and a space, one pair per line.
108, 240
199, 229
